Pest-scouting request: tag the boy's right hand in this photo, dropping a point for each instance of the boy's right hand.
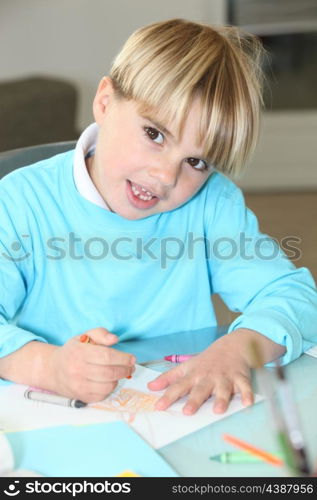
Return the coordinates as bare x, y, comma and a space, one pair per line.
90, 371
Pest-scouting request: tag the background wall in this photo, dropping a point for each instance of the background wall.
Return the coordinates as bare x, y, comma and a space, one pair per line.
77, 40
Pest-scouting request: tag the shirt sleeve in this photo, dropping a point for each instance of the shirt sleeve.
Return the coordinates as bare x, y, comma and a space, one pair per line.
16, 271
253, 276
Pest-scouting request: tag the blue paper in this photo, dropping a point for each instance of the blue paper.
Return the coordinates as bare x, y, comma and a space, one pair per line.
98, 450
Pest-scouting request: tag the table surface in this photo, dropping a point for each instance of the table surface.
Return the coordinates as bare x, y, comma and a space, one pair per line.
189, 456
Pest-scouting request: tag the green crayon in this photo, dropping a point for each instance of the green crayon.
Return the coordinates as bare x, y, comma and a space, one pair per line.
239, 457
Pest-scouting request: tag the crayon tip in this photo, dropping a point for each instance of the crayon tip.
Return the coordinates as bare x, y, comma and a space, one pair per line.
216, 458
84, 339
79, 404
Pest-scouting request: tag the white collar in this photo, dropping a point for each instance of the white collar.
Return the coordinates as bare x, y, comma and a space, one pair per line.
86, 145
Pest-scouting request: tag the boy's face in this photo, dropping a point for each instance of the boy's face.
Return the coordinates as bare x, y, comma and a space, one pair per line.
140, 167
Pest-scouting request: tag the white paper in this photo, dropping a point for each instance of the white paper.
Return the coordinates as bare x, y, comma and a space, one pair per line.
132, 402
312, 351
6, 456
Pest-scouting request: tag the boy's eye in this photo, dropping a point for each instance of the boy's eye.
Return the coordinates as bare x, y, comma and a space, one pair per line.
197, 163
154, 135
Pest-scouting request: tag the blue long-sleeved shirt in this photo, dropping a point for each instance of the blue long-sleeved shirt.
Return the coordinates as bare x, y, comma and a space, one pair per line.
68, 265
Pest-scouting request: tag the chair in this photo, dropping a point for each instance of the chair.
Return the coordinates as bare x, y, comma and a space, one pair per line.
37, 110
16, 158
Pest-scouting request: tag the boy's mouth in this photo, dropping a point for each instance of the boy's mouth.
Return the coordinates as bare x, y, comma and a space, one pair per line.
139, 196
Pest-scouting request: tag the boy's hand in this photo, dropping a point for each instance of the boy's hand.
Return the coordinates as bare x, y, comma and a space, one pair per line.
221, 371
213, 372
89, 372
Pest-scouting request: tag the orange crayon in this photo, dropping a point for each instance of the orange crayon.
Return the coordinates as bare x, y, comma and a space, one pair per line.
85, 339
264, 455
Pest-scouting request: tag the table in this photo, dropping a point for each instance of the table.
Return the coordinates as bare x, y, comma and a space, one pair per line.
189, 456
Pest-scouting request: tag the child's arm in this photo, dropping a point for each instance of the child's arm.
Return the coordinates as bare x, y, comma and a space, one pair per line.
253, 276
81, 371
221, 370
278, 304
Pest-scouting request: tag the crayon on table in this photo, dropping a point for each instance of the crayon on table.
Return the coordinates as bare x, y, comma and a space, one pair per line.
172, 358
239, 457
45, 397
253, 450
178, 358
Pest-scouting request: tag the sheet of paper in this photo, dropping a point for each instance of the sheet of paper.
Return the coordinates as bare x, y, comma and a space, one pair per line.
312, 351
131, 402
6, 456
98, 450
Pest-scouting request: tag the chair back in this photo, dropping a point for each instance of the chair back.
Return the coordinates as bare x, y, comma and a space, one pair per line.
16, 158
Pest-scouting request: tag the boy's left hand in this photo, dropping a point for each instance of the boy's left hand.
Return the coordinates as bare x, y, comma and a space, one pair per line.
218, 371
222, 370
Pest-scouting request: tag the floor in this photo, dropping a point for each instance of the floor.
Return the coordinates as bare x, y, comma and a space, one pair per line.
283, 215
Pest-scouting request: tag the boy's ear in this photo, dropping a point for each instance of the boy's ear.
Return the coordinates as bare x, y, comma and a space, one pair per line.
104, 95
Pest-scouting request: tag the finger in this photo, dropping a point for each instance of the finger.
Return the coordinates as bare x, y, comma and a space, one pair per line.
99, 336
243, 385
97, 392
198, 395
223, 393
165, 379
100, 355
173, 393
107, 373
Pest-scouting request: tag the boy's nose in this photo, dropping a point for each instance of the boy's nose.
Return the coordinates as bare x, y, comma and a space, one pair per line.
165, 173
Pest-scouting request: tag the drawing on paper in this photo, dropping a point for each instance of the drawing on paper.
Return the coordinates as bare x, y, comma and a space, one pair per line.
128, 401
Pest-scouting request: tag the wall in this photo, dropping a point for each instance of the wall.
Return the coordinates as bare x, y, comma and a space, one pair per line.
77, 39
286, 155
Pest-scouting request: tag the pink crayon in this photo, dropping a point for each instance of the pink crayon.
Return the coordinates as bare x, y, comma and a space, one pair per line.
178, 358
172, 358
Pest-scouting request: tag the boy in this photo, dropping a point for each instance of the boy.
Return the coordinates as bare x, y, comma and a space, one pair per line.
128, 236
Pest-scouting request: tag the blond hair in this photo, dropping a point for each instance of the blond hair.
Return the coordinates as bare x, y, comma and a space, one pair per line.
166, 65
